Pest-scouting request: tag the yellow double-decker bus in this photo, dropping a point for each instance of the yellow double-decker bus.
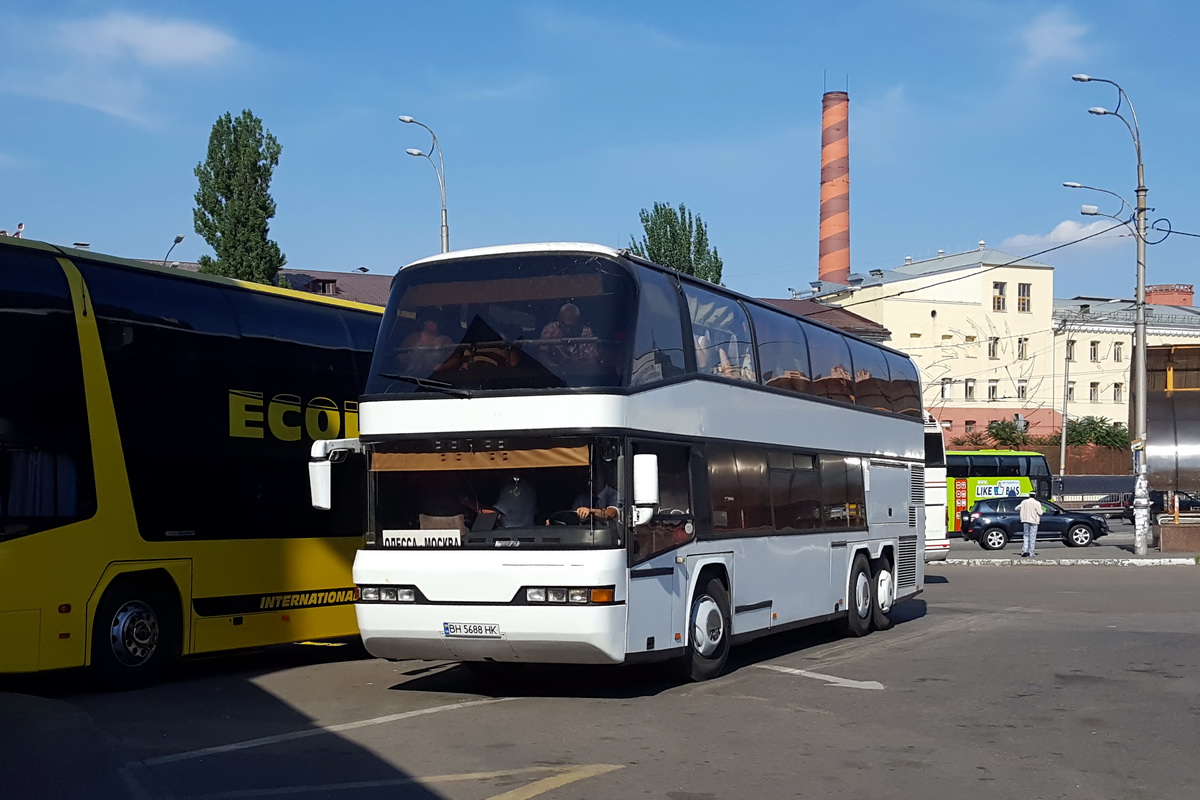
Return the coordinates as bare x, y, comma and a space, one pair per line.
154, 432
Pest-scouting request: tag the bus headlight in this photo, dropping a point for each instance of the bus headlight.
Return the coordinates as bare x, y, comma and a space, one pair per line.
580, 595
387, 594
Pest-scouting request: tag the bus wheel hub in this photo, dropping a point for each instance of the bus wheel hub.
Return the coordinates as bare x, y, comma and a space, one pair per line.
134, 633
708, 626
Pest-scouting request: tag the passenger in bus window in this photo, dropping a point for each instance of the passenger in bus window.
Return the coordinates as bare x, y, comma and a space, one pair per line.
426, 350
445, 501
704, 356
563, 335
516, 503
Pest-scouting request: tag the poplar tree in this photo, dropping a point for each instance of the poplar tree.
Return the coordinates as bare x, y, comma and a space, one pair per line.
233, 204
677, 239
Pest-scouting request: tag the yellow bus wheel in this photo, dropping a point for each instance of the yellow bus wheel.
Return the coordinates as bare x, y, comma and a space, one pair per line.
135, 634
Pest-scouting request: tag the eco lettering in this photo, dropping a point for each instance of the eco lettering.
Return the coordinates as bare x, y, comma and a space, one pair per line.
286, 418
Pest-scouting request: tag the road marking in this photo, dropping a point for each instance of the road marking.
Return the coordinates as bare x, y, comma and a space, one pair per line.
555, 781
561, 777
832, 680
287, 737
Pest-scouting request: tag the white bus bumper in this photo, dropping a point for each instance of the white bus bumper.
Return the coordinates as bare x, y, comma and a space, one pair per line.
559, 634
476, 590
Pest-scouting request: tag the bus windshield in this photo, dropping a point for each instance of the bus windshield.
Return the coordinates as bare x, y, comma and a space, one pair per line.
492, 494
533, 321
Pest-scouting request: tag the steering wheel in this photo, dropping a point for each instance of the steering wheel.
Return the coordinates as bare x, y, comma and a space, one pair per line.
564, 518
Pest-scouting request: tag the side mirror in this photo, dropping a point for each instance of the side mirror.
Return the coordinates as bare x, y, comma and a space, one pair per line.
324, 454
320, 483
645, 487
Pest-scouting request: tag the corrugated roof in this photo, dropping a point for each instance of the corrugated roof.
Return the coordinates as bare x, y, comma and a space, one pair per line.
357, 287
1082, 310
971, 259
833, 316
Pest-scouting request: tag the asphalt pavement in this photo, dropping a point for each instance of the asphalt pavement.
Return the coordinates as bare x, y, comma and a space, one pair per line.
1024, 683
1114, 549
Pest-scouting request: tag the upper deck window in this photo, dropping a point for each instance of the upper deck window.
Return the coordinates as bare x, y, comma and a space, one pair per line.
530, 321
722, 332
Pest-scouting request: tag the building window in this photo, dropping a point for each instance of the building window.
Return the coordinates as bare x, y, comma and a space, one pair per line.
1118, 351
993, 390
1022, 389
1070, 349
1094, 350
972, 350
998, 300
1071, 391
323, 286
1118, 392
1023, 348
969, 426
969, 389
993, 347
1024, 293
1094, 392
946, 388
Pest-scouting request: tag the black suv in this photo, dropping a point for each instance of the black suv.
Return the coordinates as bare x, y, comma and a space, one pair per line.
1188, 502
994, 523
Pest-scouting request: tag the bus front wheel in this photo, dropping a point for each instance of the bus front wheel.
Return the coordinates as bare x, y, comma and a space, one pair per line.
709, 625
862, 598
134, 635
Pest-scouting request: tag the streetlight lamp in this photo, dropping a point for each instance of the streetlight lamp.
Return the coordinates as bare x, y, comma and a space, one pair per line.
439, 168
1141, 493
178, 239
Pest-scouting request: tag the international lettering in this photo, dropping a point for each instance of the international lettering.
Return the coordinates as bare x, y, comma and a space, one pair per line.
306, 599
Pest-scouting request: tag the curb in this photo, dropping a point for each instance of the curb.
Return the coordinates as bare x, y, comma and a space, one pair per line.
1071, 562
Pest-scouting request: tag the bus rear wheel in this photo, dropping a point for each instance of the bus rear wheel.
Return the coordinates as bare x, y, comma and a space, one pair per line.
134, 635
883, 595
709, 627
862, 598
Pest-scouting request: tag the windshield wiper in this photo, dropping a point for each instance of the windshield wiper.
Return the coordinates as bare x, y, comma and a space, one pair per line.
426, 383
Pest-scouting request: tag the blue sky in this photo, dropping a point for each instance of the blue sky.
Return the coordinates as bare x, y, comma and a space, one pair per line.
560, 120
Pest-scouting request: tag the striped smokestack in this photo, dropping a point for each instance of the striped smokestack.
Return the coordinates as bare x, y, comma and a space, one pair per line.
834, 263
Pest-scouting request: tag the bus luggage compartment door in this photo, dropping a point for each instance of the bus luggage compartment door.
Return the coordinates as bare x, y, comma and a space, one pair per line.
654, 605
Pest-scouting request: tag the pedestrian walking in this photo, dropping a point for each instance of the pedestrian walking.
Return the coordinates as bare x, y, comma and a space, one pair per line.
1031, 514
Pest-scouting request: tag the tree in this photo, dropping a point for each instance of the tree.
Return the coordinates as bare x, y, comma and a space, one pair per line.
233, 204
1007, 433
676, 239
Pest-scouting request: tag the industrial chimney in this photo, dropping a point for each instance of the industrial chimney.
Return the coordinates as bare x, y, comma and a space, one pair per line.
834, 263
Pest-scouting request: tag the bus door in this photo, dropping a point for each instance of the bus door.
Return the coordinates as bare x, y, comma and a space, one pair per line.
657, 581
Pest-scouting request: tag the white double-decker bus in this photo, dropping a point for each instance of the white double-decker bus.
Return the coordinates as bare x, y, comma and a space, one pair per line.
937, 540
577, 456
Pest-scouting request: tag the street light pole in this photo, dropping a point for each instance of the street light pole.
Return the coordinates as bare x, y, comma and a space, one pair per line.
1141, 490
439, 168
178, 239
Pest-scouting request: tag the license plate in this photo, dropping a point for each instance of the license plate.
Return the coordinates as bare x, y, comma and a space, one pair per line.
471, 630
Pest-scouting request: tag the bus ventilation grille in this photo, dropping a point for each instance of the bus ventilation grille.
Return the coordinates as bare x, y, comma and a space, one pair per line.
917, 480
906, 562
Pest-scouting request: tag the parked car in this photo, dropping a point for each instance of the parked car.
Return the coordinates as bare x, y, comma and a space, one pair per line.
1188, 502
994, 523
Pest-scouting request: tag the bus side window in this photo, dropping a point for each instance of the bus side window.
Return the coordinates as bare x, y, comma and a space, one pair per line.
46, 478
673, 524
